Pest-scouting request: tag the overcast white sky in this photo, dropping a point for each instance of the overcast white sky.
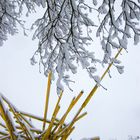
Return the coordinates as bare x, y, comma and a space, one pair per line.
114, 113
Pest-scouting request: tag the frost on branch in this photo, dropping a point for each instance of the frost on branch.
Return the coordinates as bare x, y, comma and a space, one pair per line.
64, 31
62, 43
10, 13
115, 29
63, 34
8, 19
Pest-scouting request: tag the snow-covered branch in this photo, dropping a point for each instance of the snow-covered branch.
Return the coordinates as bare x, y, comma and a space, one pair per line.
64, 30
115, 29
8, 19
61, 38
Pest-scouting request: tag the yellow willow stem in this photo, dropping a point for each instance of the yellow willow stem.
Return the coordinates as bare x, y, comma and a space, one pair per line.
32, 116
24, 128
57, 108
73, 102
48, 131
72, 129
81, 116
13, 110
32, 130
47, 100
23, 118
66, 135
108, 68
64, 116
91, 93
9, 125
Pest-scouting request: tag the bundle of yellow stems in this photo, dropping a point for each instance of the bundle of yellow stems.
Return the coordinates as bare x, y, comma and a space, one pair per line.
17, 126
